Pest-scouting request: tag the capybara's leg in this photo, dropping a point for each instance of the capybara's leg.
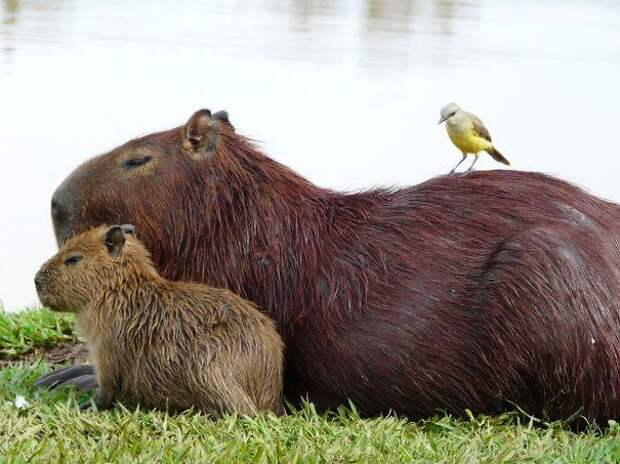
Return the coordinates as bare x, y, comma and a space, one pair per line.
63, 377
104, 399
237, 401
245, 406
552, 297
106, 393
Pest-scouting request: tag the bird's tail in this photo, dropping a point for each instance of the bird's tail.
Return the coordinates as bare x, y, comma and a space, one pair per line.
497, 156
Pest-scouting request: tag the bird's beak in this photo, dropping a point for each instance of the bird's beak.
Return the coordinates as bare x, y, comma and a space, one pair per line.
441, 120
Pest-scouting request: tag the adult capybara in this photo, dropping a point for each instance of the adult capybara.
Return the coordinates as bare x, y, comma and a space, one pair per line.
480, 292
158, 343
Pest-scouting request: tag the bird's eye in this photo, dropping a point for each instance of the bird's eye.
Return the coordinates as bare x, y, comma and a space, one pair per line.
71, 260
136, 162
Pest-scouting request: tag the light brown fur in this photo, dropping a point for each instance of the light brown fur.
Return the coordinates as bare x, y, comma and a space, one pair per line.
158, 343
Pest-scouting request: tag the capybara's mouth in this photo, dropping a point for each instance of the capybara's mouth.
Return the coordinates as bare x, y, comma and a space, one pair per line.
49, 304
44, 296
39, 284
45, 299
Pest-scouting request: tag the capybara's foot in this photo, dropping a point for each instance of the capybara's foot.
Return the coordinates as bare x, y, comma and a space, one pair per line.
86, 405
102, 400
83, 377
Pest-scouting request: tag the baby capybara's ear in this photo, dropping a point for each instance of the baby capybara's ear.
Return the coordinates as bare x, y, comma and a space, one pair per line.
200, 133
115, 240
129, 229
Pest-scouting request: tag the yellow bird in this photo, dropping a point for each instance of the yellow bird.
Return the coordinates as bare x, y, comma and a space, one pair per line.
469, 135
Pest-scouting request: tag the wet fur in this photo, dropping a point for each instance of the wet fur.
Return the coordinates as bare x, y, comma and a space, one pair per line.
477, 292
162, 344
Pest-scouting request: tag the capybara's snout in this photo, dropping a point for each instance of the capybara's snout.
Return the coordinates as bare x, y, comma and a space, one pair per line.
45, 284
40, 283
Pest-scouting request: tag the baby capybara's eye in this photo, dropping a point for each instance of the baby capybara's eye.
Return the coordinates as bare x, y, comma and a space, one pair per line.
136, 162
71, 260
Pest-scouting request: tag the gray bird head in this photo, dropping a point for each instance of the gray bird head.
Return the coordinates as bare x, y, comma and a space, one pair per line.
448, 111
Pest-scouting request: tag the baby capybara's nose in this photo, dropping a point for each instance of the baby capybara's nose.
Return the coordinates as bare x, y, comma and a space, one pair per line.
38, 281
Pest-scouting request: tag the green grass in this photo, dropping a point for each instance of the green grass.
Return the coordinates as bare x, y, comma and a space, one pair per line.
23, 331
51, 429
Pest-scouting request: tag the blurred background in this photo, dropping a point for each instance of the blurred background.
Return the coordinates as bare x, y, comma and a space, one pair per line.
347, 93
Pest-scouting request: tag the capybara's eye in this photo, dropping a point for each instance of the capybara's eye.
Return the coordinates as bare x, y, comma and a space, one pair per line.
136, 162
71, 260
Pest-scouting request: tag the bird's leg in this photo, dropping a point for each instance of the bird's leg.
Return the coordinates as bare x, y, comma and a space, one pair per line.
458, 164
473, 164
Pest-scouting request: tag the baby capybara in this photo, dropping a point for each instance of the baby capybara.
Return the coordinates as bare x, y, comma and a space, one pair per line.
158, 343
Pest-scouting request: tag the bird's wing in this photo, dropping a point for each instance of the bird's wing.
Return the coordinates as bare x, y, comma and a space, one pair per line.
479, 128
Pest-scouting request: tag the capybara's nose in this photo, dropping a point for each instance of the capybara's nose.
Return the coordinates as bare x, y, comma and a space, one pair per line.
38, 281
59, 212
60, 217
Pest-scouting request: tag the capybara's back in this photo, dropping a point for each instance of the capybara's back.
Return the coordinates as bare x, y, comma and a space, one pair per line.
163, 344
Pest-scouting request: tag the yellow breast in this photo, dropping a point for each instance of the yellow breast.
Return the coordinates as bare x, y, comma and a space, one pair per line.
468, 141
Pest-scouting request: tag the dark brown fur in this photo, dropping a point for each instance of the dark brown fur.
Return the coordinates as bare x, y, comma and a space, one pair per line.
480, 292
158, 343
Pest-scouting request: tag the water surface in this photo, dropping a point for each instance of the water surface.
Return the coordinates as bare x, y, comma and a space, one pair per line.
345, 92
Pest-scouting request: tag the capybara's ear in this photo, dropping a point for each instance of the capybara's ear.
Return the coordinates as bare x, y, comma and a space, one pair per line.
115, 240
200, 133
128, 229
223, 116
